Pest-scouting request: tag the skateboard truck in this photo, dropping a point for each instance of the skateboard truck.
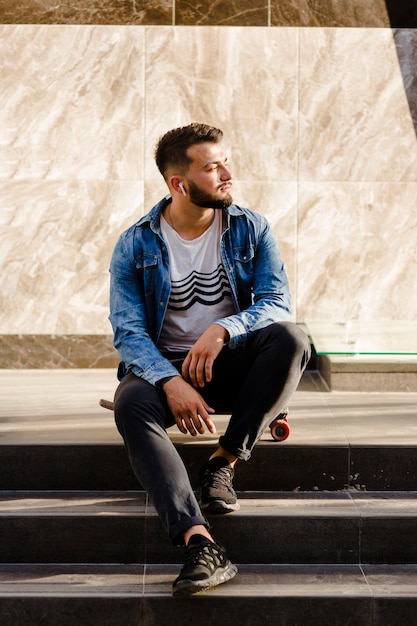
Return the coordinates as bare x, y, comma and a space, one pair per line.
279, 427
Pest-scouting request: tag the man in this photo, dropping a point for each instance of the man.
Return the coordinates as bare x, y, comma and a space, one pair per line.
200, 310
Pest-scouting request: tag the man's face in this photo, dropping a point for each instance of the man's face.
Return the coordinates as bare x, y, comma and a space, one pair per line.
209, 178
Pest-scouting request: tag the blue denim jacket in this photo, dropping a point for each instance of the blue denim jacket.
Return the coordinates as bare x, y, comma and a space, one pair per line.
140, 287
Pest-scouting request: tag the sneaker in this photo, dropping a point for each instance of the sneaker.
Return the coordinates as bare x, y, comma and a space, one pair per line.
206, 565
216, 489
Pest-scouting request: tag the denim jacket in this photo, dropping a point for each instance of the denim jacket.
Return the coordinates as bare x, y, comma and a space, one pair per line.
140, 287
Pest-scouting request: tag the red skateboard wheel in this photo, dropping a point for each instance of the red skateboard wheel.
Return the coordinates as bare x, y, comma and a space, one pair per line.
280, 430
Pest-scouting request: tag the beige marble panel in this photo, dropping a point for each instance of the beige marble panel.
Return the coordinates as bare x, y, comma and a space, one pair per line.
71, 102
78, 135
56, 241
357, 254
243, 80
278, 203
355, 121
155, 190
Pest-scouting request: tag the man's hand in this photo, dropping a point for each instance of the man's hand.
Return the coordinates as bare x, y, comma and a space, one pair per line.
190, 410
198, 364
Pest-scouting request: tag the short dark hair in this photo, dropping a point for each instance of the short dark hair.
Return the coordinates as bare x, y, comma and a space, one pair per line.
171, 149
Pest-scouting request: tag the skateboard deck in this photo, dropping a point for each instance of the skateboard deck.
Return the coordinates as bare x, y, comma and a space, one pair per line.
279, 427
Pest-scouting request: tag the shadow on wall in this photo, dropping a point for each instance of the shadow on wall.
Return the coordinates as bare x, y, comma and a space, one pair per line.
403, 20
402, 13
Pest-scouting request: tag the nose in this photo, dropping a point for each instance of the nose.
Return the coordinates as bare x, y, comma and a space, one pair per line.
226, 174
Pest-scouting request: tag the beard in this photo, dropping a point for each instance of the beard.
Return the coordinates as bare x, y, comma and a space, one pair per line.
207, 200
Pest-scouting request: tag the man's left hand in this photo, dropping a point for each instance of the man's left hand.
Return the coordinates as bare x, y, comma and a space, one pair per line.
198, 364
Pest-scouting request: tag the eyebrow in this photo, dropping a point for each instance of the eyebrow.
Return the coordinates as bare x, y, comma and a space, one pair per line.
225, 160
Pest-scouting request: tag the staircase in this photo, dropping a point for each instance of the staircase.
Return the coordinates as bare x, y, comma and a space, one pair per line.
326, 533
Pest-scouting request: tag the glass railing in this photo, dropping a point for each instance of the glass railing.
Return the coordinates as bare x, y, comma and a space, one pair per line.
363, 336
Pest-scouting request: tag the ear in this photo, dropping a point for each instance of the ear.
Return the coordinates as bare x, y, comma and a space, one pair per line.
177, 184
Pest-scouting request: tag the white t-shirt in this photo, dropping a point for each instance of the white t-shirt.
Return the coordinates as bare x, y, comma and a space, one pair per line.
200, 290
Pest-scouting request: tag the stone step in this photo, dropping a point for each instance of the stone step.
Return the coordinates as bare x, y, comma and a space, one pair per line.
369, 372
260, 595
339, 528
273, 466
325, 535
54, 435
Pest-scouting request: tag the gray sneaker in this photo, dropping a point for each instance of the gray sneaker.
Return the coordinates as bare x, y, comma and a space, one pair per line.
206, 565
216, 488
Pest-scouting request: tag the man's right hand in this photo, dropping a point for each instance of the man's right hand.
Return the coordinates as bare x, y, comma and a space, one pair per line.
191, 412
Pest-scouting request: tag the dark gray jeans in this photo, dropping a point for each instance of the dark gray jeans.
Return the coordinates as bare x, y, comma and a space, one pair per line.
254, 383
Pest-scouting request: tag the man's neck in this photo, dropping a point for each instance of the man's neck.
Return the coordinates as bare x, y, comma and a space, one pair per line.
189, 222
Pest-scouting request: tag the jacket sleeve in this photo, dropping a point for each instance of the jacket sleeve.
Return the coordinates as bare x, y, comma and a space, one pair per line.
264, 275
128, 318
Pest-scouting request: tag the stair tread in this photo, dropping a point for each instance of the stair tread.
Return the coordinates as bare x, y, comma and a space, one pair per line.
252, 580
265, 504
61, 407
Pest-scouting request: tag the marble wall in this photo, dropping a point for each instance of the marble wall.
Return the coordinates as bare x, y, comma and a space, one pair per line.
320, 123
311, 13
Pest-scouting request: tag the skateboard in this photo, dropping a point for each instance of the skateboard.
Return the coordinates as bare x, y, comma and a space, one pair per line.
279, 427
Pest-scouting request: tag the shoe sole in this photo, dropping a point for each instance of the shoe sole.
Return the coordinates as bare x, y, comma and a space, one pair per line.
188, 587
219, 506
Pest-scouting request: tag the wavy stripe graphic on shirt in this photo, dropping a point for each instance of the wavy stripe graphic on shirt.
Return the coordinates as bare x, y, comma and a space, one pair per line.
208, 289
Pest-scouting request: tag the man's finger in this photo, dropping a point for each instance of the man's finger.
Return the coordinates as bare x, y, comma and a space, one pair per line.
180, 426
208, 369
185, 367
209, 423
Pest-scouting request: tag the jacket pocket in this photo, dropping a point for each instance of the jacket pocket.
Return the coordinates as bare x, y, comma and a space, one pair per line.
243, 254
146, 265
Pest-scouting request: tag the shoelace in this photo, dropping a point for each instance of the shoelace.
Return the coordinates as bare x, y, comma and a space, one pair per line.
206, 554
218, 478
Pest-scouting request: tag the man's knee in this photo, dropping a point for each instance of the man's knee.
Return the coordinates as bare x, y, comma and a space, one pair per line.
291, 340
125, 393
129, 400
298, 337
137, 403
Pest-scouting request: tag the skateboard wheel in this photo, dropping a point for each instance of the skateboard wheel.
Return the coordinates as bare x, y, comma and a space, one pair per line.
280, 430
